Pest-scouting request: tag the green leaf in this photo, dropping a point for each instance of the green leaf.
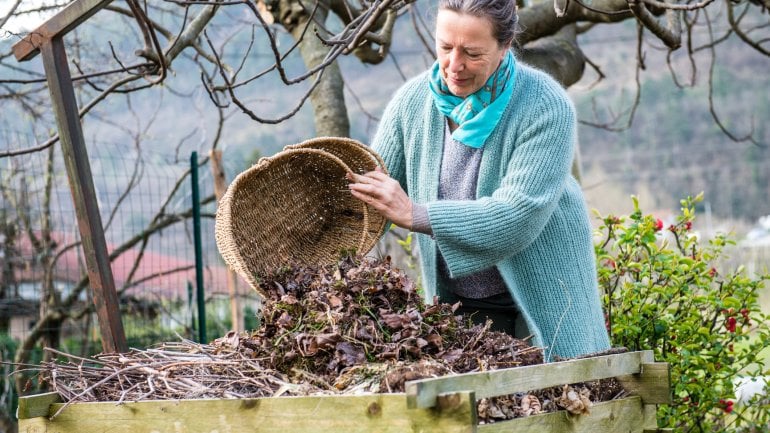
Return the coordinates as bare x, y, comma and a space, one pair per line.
731, 302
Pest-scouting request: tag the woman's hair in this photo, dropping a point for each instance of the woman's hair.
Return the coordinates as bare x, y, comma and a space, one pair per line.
501, 13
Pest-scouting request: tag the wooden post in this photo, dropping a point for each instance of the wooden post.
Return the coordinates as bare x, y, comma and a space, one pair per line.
48, 40
220, 187
82, 187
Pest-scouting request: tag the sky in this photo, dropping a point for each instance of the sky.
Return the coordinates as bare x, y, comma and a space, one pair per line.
25, 22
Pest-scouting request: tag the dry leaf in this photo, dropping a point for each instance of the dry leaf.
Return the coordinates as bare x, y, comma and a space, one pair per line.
530, 405
574, 402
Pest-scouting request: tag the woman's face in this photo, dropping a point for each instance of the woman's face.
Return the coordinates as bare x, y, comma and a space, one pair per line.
468, 54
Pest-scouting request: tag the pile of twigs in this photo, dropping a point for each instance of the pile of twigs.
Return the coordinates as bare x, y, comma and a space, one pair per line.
359, 326
175, 370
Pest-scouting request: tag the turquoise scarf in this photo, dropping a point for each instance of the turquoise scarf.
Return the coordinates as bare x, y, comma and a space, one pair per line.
478, 113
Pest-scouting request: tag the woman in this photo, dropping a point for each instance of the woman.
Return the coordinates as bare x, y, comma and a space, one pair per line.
479, 149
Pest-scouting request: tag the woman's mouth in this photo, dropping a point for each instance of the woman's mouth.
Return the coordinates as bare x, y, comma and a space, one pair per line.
458, 81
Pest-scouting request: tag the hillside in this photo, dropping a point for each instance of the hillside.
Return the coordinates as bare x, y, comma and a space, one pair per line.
672, 149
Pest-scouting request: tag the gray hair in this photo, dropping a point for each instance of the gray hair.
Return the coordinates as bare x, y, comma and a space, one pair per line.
501, 13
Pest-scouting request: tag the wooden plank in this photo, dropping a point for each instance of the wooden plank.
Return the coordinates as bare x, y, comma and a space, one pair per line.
83, 195
220, 188
616, 416
422, 393
652, 383
57, 26
386, 413
36, 405
650, 413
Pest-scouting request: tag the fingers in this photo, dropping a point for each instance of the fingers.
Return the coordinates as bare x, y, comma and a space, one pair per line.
369, 187
384, 194
370, 177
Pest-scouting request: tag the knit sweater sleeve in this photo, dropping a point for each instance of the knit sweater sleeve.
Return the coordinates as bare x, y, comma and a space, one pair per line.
474, 235
394, 134
388, 141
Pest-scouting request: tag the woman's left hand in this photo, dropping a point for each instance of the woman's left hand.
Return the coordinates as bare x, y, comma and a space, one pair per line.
384, 194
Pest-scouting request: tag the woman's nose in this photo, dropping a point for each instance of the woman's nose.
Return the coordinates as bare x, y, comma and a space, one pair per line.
456, 63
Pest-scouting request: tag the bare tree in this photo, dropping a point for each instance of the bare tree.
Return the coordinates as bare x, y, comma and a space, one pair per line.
325, 29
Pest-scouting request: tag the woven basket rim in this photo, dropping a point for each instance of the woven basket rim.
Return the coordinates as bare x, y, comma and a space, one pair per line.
310, 143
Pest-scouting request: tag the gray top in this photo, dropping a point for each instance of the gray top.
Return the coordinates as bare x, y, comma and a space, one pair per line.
457, 181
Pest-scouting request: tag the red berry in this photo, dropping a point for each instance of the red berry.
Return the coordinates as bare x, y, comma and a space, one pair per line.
712, 272
731, 323
658, 225
688, 225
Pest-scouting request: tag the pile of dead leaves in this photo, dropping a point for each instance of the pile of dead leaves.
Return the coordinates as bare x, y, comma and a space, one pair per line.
359, 326
327, 319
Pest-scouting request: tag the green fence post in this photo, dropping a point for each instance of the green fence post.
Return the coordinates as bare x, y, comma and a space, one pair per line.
196, 207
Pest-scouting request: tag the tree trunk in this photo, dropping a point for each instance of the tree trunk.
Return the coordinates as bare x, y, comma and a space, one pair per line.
328, 99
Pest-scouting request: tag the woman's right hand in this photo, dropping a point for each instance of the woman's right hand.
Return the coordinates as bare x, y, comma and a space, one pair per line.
384, 194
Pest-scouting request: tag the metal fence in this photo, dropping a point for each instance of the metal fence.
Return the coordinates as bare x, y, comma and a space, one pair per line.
145, 201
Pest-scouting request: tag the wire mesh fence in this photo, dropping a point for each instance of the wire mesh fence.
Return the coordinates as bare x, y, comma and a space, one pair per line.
145, 201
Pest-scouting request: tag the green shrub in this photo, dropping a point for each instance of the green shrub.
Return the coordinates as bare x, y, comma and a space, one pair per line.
664, 290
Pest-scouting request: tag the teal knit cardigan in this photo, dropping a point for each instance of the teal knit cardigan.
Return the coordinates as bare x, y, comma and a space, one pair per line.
529, 219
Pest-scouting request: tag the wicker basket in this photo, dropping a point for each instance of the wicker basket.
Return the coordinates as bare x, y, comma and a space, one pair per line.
360, 159
295, 207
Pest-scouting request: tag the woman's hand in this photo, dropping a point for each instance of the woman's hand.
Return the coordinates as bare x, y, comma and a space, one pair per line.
384, 194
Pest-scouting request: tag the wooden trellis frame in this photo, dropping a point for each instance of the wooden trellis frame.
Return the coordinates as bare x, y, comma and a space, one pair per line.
48, 40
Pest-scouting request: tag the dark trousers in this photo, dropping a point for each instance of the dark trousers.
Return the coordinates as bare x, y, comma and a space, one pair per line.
500, 309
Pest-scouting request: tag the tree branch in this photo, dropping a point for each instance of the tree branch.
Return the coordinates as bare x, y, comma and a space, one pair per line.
559, 55
671, 35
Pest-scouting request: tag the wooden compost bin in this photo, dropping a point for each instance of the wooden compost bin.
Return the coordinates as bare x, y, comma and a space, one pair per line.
439, 405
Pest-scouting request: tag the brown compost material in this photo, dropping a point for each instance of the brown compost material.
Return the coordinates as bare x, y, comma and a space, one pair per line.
359, 326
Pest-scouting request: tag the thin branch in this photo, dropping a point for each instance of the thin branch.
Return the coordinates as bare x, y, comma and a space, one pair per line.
712, 109
419, 24
154, 276
11, 12
587, 6
598, 70
670, 36
676, 6
358, 102
741, 34
637, 99
243, 106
